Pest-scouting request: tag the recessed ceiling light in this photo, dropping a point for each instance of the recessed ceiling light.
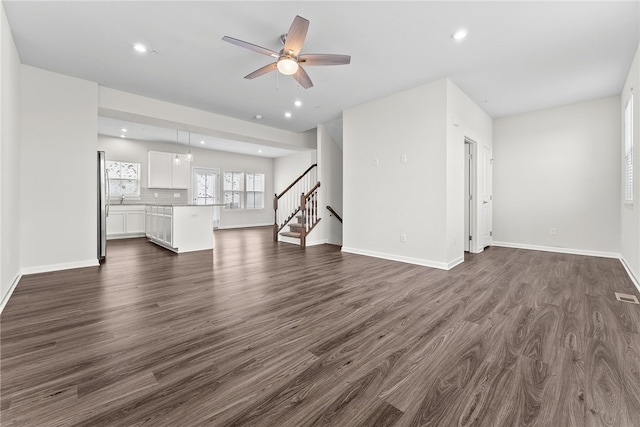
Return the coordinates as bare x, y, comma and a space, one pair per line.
258, 117
287, 114
139, 47
259, 151
202, 142
461, 34
297, 103
123, 130
123, 136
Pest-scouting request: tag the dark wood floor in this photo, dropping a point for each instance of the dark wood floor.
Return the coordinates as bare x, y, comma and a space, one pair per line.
257, 333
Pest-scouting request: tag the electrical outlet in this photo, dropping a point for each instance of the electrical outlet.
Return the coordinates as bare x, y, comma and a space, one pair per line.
176, 195
403, 158
155, 195
376, 162
403, 238
553, 232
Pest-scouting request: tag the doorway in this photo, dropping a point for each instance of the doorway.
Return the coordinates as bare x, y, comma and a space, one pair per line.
470, 180
206, 190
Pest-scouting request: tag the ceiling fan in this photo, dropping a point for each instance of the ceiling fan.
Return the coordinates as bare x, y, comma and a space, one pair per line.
288, 60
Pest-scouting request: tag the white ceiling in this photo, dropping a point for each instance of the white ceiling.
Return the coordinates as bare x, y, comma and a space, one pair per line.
518, 57
142, 131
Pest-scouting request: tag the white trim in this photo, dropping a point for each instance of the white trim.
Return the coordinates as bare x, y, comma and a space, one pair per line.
408, 260
634, 279
228, 227
5, 300
63, 266
295, 241
557, 249
126, 235
317, 242
455, 262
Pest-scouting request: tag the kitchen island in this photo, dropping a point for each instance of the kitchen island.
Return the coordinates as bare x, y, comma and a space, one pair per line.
180, 228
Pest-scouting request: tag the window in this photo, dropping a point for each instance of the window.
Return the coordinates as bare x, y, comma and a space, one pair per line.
205, 186
124, 179
628, 151
255, 191
233, 190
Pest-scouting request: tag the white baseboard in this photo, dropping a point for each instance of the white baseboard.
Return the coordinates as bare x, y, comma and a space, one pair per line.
317, 242
12, 288
633, 277
556, 249
125, 236
62, 266
408, 260
296, 242
228, 227
455, 262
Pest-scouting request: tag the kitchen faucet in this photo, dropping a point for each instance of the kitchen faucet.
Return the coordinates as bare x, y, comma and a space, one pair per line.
122, 199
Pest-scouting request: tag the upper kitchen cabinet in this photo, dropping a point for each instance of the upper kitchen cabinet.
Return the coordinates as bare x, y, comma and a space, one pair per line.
165, 173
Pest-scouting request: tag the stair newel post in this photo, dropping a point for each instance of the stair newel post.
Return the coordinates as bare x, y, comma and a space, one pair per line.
275, 218
303, 212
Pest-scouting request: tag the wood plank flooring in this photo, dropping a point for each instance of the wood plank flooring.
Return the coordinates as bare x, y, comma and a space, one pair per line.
261, 334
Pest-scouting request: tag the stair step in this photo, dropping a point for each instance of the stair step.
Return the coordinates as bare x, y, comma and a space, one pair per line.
290, 234
294, 225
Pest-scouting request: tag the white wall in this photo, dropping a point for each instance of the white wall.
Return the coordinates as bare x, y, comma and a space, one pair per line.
288, 168
58, 130
630, 214
422, 198
559, 168
384, 200
329, 230
465, 119
137, 151
10, 162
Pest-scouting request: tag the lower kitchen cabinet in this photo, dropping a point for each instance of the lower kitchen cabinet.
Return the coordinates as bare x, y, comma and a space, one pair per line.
159, 225
125, 221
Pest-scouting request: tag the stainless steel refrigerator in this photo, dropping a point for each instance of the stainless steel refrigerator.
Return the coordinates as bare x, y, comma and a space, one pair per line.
103, 206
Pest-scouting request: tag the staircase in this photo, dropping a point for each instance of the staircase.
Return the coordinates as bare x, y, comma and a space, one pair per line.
297, 207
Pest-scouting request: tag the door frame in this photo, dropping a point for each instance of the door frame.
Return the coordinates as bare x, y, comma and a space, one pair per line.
471, 220
218, 190
486, 215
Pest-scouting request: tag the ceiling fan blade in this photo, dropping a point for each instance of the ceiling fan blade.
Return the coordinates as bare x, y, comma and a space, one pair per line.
303, 78
262, 71
324, 59
296, 35
251, 46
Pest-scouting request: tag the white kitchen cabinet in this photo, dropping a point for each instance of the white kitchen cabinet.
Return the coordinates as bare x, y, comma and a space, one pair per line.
181, 174
125, 221
159, 225
164, 173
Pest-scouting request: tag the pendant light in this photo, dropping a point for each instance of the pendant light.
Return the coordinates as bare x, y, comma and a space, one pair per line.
176, 159
189, 155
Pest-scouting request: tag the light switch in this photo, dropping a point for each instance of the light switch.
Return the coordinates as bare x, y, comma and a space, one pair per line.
376, 162
403, 158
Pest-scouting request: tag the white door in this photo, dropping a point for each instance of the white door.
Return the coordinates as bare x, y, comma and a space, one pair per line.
487, 196
206, 190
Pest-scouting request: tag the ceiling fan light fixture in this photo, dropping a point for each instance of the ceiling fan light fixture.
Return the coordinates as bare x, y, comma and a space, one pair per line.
287, 66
